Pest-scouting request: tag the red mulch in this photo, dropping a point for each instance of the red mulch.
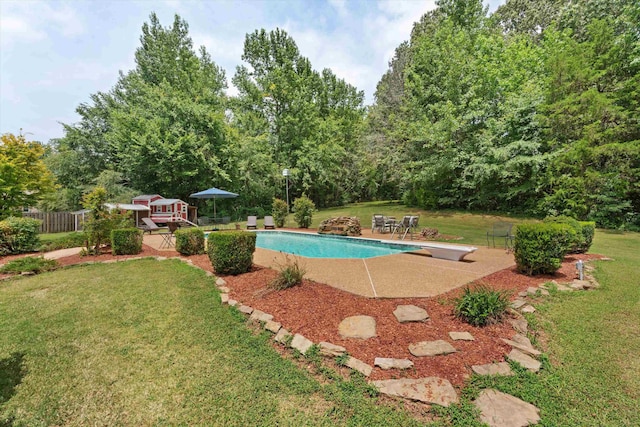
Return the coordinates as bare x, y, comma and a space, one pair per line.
315, 311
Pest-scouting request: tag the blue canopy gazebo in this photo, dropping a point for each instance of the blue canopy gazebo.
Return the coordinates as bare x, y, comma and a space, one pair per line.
213, 193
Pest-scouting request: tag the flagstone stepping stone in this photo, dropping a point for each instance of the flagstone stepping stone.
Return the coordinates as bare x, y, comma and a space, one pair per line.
331, 350
232, 302
359, 365
543, 291
245, 309
224, 289
461, 336
501, 368
362, 327
410, 313
578, 285
260, 316
220, 282
503, 410
527, 349
282, 336
301, 343
224, 298
519, 338
272, 326
431, 348
208, 274
520, 324
528, 309
388, 363
518, 303
428, 390
531, 290
527, 362
563, 288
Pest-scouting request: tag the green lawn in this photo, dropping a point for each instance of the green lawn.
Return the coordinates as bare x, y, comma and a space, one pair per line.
149, 343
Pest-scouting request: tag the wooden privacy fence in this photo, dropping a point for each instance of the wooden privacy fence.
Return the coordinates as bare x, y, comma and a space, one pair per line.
53, 222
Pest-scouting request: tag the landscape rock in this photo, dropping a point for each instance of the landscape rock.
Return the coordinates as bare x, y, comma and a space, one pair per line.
301, 343
233, 302
331, 350
429, 390
272, 326
220, 282
461, 336
523, 294
563, 288
359, 365
224, 289
527, 362
260, 316
503, 410
521, 325
519, 338
282, 335
531, 290
528, 349
528, 309
579, 285
517, 303
224, 298
501, 368
362, 327
246, 309
388, 363
28, 273
431, 348
543, 291
410, 313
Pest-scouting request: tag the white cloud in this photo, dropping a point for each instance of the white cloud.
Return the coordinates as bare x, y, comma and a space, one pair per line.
341, 7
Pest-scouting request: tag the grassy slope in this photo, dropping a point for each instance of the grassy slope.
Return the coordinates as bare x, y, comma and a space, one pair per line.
146, 343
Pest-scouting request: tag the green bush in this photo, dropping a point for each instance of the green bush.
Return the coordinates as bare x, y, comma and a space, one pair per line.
279, 211
578, 242
481, 305
29, 263
19, 235
303, 209
539, 248
190, 241
291, 274
126, 241
588, 232
231, 252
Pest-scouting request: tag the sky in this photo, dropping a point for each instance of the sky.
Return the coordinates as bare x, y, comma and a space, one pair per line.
55, 54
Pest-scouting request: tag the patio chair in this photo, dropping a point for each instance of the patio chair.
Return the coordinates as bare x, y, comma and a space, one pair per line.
268, 222
502, 230
412, 228
252, 222
402, 226
378, 223
149, 225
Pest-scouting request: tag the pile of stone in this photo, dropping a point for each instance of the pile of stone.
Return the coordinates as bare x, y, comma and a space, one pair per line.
430, 233
342, 225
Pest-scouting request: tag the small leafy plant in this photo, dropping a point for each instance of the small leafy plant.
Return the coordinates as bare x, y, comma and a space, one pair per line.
291, 274
279, 210
303, 209
29, 264
481, 305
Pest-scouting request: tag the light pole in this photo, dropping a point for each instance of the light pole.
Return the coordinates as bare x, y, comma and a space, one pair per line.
285, 173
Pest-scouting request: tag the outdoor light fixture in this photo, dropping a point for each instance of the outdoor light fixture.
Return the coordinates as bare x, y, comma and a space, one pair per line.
580, 268
285, 173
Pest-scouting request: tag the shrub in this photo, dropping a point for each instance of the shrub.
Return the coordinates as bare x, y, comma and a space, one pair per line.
29, 263
540, 247
126, 241
101, 222
279, 211
481, 306
303, 209
588, 232
19, 235
291, 274
231, 252
578, 242
73, 240
190, 241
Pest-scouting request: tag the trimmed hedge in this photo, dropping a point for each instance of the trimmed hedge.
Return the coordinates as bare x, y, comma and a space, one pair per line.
126, 241
231, 252
190, 241
540, 247
19, 235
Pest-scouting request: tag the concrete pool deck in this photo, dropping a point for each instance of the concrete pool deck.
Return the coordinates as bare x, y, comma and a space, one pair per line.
405, 275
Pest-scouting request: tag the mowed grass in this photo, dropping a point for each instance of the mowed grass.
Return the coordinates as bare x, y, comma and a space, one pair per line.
592, 374
149, 343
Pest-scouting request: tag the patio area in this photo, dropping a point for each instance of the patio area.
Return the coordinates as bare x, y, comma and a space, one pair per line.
406, 275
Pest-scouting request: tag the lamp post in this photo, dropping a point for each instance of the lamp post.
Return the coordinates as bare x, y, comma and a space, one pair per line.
285, 173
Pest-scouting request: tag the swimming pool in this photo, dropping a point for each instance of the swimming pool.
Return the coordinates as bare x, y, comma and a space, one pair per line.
327, 246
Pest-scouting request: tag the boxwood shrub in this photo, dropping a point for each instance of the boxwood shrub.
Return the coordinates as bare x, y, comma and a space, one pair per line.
588, 231
190, 241
19, 235
231, 252
540, 247
126, 241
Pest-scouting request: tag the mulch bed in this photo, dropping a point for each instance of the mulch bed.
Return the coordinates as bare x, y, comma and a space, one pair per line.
315, 311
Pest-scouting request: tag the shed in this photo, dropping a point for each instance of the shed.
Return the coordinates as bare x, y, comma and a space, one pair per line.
146, 199
168, 210
138, 209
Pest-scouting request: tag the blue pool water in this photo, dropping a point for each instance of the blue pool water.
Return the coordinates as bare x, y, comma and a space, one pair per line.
323, 246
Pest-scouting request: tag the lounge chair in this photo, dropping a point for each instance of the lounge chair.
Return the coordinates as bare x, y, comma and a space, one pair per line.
252, 222
268, 222
149, 225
